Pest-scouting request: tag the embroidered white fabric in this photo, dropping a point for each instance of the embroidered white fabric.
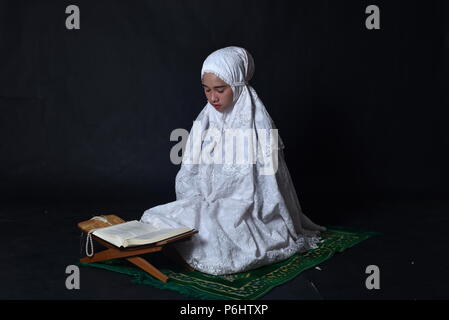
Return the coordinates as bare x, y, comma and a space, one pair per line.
245, 219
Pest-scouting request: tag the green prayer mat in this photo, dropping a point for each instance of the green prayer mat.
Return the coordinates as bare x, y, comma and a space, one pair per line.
248, 285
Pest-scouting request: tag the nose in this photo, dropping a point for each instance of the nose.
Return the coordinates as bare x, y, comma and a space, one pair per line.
213, 97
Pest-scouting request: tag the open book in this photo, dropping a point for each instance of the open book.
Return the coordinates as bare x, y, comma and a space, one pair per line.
136, 233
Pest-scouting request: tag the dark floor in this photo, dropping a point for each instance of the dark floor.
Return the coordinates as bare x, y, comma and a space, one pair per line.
41, 241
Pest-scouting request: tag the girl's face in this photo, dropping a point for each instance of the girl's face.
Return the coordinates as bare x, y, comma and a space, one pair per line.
218, 93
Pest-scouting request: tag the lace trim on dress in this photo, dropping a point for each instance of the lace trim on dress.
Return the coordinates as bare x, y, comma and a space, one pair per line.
301, 245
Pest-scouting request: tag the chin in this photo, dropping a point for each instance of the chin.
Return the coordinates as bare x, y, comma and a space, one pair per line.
222, 109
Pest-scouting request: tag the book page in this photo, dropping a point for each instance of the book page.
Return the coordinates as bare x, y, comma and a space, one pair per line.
125, 230
156, 236
152, 235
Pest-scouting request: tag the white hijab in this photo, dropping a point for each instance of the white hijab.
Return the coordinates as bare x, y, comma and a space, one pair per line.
245, 219
235, 66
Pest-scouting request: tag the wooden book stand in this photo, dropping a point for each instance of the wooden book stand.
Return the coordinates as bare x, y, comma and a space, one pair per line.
132, 254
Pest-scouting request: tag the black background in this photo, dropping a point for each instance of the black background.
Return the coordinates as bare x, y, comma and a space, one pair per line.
86, 115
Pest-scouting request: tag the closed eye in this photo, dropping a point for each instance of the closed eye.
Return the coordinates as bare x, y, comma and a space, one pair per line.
208, 90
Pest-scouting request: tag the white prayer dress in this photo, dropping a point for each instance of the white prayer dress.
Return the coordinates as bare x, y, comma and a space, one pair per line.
246, 218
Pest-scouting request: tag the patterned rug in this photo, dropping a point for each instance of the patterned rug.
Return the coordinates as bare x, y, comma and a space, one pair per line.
248, 285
